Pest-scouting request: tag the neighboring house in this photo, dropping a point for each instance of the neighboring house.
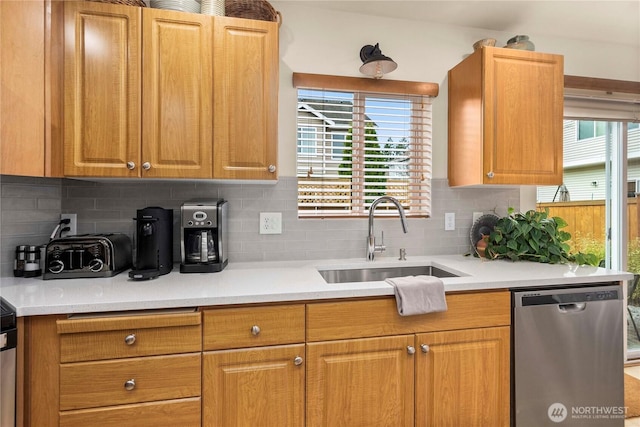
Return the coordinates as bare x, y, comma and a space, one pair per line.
322, 135
584, 166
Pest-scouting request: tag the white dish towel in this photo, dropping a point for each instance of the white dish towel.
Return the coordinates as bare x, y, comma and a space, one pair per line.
418, 294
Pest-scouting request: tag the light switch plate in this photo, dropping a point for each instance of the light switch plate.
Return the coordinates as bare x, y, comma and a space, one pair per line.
449, 221
270, 222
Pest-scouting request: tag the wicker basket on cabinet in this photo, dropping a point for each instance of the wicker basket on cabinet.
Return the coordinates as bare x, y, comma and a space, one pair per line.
252, 9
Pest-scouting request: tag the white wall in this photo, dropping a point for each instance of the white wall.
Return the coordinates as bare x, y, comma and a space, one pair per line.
328, 42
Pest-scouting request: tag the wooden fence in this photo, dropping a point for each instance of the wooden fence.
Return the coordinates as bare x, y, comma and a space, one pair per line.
587, 218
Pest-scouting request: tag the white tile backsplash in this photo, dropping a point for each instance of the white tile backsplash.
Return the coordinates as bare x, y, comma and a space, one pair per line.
30, 208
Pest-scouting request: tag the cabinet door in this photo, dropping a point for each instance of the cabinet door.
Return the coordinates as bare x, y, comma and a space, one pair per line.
254, 387
102, 89
245, 98
523, 112
22, 78
177, 94
462, 378
361, 383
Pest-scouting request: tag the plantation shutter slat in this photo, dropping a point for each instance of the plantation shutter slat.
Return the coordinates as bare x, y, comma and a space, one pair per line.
354, 147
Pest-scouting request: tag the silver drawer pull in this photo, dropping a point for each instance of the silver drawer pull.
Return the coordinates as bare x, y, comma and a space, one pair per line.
297, 361
130, 384
411, 349
255, 329
424, 348
130, 339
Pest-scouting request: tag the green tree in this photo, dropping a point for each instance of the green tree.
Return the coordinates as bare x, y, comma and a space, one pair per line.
375, 162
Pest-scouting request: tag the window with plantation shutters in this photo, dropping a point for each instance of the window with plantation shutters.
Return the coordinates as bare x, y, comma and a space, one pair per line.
354, 146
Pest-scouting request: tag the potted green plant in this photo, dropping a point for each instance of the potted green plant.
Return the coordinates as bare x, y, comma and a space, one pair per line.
533, 236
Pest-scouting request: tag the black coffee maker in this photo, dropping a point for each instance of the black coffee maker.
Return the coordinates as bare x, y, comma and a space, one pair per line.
154, 243
203, 245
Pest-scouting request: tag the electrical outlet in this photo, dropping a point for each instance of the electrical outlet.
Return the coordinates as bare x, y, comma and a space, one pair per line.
270, 222
449, 221
476, 216
73, 225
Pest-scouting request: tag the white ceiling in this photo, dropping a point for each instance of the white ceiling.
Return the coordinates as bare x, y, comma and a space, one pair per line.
609, 21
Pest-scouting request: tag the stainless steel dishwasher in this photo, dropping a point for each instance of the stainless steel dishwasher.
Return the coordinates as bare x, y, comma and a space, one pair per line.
568, 357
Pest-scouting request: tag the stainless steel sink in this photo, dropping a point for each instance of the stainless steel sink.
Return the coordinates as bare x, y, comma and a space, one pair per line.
376, 274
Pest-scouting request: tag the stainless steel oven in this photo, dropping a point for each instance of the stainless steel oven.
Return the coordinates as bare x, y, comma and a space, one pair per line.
8, 342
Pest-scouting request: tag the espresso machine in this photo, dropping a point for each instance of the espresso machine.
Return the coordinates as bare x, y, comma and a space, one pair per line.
204, 236
154, 243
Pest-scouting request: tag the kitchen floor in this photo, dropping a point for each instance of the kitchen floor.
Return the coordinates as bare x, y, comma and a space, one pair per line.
634, 371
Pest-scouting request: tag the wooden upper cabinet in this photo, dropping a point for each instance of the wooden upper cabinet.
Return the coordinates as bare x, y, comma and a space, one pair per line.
505, 118
245, 64
177, 94
163, 94
102, 90
118, 124
28, 77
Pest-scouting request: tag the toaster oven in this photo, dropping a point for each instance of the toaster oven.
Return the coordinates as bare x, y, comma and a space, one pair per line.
87, 255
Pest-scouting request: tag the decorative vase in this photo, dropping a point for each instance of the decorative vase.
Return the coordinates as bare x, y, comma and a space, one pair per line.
520, 42
212, 7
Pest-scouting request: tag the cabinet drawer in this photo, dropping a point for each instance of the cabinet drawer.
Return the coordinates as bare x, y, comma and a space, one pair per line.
170, 413
98, 338
379, 317
94, 384
253, 326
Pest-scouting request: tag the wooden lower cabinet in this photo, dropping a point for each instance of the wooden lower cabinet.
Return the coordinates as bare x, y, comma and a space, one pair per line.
360, 383
347, 363
458, 378
129, 369
368, 366
254, 387
462, 378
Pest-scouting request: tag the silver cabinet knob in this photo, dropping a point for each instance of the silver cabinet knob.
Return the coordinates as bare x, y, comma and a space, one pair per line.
272, 168
411, 349
255, 330
131, 166
130, 339
298, 361
146, 166
130, 384
490, 175
424, 348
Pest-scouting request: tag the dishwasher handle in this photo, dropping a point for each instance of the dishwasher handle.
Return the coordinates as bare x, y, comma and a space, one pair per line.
574, 307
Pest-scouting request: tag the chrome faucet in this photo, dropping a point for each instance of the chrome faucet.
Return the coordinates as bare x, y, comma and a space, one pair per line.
372, 248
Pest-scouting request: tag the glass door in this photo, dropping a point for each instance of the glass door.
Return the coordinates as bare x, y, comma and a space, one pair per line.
598, 200
630, 133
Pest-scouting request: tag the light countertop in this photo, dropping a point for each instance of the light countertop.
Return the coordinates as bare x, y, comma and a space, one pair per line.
259, 282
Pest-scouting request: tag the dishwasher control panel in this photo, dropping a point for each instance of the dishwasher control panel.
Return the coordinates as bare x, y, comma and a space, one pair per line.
568, 295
